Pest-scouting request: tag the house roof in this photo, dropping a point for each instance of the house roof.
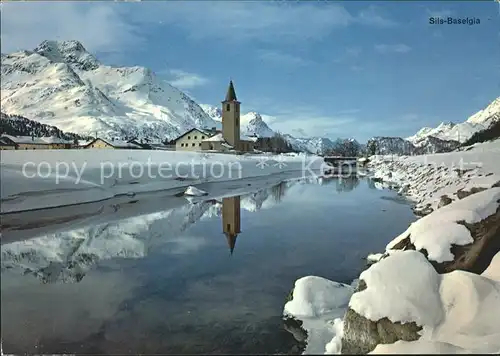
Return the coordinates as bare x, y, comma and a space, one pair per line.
215, 138
201, 131
116, 143
5, 141
35, 140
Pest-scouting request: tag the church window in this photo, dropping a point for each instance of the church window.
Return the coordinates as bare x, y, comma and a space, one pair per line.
193, 144
228, 107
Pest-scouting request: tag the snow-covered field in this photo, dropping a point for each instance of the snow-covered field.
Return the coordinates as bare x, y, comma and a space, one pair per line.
458, 311
50, 178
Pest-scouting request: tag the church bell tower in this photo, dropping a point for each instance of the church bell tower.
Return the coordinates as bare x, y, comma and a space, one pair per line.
231, 118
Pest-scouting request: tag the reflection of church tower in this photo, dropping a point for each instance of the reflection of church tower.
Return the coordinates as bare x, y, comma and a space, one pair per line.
231, 220
231, 117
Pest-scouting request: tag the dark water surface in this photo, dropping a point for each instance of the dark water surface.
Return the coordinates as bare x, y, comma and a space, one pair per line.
166, 282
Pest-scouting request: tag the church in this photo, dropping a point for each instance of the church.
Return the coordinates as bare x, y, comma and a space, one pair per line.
230, 138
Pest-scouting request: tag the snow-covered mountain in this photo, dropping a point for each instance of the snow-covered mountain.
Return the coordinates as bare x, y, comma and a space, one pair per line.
488, 115
61, 84
251, 123
16, 125
461, 132
316, 145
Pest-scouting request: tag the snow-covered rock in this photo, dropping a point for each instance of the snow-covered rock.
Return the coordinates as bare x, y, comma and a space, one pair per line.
462, 235
455, 312
59, 83
194, 192
319, 305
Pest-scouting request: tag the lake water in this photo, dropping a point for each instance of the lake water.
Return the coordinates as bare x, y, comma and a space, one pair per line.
167, 282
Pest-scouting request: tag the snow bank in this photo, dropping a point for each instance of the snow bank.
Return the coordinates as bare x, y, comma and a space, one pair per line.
459, 311
320, 304
49, 178
426, 178
437, 232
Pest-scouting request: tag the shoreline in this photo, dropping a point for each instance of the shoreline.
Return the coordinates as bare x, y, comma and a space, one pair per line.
59, 178
440, 260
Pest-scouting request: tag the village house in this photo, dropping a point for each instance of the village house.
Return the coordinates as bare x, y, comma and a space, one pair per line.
113, 144
191, 140
7, 144
34, 143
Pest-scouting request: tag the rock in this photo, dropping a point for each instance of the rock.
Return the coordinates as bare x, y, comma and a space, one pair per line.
362, 335
377, 179
464, 193
426, 210
445, 200
474, 257
294, 327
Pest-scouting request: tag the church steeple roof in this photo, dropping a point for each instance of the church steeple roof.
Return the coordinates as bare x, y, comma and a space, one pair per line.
231, 93
231, 241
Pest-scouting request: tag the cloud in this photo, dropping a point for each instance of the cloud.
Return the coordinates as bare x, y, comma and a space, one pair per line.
264, 21
394, 48
353, 51
348, 54
282, 58
111, 27
372, 16
98, 25
308, 121
185, 80
439, 13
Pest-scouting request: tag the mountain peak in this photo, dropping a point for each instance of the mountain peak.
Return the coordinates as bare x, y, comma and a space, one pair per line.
71, 52
254, 116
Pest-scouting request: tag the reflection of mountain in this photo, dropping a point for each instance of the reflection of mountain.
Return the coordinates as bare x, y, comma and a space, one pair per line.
65, 257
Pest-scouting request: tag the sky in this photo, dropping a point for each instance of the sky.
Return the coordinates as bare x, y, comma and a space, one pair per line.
310, 68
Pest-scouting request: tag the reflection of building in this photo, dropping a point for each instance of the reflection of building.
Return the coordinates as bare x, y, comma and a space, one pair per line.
231, 220
347, 184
